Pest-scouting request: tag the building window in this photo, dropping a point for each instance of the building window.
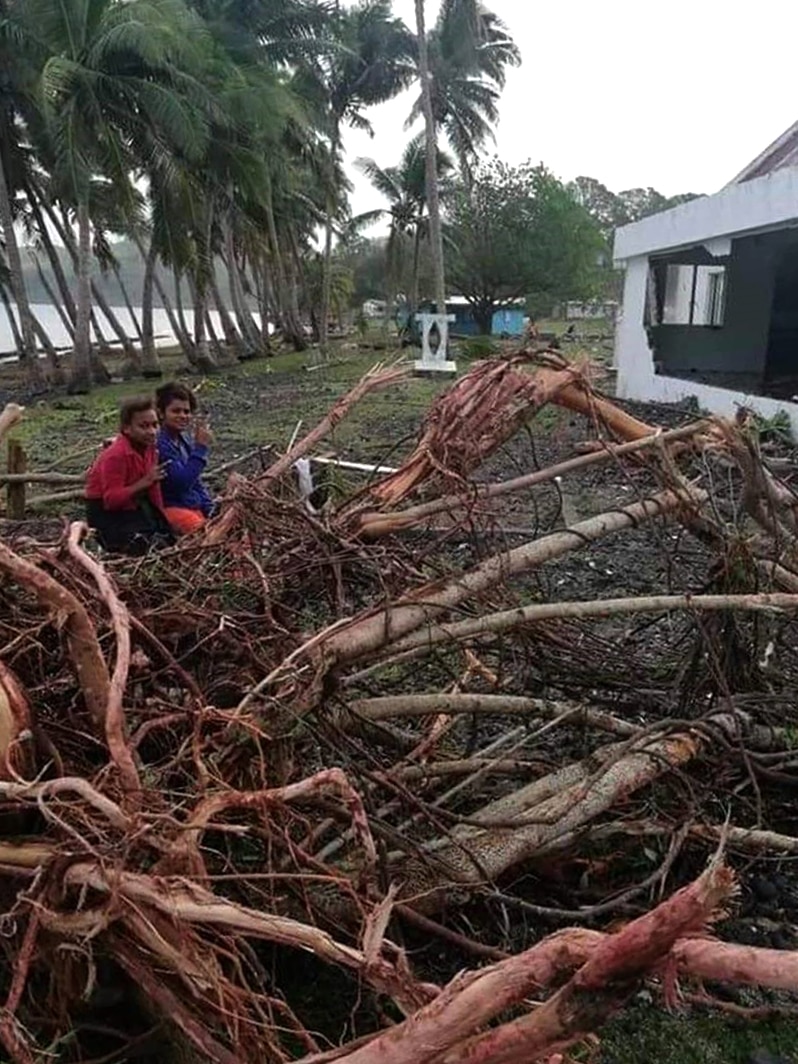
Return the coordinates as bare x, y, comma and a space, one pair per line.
687, 295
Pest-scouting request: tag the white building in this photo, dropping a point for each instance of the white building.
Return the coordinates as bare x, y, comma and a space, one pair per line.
710, 304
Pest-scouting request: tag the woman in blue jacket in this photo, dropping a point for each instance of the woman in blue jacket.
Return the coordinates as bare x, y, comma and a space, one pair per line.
184, 455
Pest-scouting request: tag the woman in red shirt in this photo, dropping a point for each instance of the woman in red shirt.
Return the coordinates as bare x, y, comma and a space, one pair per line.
123, 488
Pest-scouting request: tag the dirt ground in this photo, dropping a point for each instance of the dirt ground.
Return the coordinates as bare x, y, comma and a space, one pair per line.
255, 409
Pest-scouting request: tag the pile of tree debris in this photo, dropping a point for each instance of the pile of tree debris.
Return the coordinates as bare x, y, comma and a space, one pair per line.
312, 738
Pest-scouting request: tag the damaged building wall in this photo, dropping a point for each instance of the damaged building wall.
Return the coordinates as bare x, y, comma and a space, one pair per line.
634, 360
732, 354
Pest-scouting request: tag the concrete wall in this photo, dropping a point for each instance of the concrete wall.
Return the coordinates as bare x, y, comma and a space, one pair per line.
769, 202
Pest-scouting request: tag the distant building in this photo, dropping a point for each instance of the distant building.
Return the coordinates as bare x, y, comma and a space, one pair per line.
592, 311
710, 304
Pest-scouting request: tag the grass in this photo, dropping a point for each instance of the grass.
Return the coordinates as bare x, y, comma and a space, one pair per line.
645, 1034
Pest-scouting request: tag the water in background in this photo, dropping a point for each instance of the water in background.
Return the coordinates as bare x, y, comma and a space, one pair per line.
51, 322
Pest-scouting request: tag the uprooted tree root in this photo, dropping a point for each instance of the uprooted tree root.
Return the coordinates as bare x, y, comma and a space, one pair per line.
304, 741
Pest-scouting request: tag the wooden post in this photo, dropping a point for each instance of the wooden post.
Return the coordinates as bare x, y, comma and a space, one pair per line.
15, 498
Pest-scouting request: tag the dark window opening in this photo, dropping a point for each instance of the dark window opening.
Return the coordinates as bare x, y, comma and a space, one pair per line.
732, 321
686, 294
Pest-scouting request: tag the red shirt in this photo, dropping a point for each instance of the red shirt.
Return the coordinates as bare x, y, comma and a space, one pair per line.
116, 470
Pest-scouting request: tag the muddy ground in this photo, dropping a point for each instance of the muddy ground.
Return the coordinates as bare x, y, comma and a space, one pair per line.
255, 409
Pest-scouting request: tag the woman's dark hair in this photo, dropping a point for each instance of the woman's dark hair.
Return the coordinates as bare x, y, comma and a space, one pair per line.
130, 407
167, 393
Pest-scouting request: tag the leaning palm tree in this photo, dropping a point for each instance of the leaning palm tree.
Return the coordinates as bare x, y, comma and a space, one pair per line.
16, 92
114, 75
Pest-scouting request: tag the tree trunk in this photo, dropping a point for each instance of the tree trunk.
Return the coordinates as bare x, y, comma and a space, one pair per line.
183, 334
231, 335
286, 287
243, 319
37, 202
413, 307
326, 270
483, 316
56, 373
66, 321
433, 198
201, 357
27, 352
219, 353
127, 301
150, 363
81, 376
12, 320
128, 347
259, 274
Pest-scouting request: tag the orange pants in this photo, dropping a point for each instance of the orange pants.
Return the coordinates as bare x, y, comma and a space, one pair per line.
183, 521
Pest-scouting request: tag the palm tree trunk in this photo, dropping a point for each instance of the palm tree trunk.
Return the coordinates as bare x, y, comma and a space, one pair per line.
66, 321
286, 289
80, 378
433, 196
219, 353
183, 335
47, 345
150, 364
128, 347
416, 266
201, 357
259, 277
231, 335
126, 298
12, 321
326, 277
35, 199
27, 351
240, 310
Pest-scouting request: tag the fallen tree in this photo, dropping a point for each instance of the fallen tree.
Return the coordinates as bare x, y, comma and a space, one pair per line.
298, 740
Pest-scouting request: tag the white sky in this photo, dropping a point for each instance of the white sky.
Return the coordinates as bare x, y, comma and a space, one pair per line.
679, 96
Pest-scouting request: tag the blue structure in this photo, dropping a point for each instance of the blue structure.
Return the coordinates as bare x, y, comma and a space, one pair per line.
509, 321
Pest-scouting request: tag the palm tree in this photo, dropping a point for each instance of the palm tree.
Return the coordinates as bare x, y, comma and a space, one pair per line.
116, 77
16, 83
469, 50
462, 65
431, 142
370, 63
405, 188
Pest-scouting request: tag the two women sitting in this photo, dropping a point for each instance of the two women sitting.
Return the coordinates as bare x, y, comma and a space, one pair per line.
146, 486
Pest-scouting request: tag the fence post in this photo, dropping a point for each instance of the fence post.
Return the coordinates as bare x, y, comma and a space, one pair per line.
15, 493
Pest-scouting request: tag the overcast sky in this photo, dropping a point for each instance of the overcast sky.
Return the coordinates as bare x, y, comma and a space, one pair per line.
679, 96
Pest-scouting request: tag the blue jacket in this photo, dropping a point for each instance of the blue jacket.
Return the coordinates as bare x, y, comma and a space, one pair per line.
182, 486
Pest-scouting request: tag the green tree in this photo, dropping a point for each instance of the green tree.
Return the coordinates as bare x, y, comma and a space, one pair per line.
518, 232
613, 209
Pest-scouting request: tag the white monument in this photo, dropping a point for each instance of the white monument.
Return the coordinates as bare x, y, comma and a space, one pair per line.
433, 360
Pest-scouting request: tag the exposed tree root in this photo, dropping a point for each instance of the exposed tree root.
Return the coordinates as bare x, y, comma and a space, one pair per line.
234, 767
